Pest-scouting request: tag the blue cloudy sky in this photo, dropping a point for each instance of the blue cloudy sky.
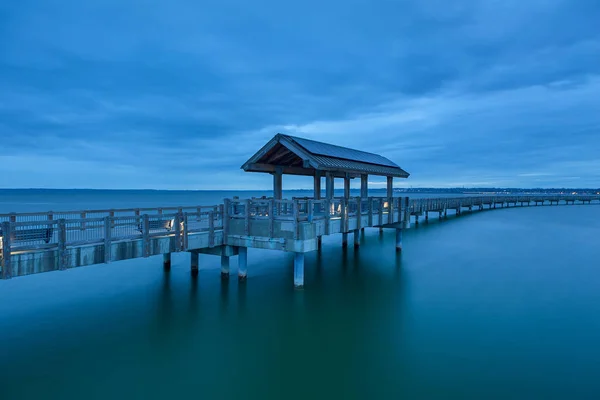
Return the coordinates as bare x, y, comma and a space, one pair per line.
178, 94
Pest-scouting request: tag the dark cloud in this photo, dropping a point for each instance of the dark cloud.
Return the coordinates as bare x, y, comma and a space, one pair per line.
177, 94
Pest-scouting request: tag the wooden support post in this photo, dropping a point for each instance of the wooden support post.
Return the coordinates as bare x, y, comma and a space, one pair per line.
347, 186
247, 217
364, 186
299, 270
358, 212
82, 222
194, 263
242, 263
406, 213
107, 239
317, 185
278, 184
226, 208
356, 238
370, 223
319, 243
146, 235
186, 232
329, 186
344, 239
271, 212
296, 215
167, 261
211, 229
416, 220
177, 222
344, 215
426, 216
390, 186
6, 250
62, 244
398, 240
224, 264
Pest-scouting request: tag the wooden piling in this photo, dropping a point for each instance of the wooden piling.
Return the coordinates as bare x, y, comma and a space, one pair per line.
194, 263
242, 263
299, 270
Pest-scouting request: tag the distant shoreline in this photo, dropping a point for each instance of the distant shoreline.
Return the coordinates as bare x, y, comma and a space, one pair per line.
486, 191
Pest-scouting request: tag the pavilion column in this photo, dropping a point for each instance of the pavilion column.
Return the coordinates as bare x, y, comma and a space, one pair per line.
390, 186
364, 186
347, 186
278, 184
329, 185
317, 185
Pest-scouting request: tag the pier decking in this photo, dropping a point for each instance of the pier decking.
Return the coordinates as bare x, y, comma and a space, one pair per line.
42, 242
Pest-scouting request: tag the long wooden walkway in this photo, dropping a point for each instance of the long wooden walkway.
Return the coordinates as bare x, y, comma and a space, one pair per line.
41, 242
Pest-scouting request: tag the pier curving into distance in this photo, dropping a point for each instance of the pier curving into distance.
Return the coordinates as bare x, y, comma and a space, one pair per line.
41, 242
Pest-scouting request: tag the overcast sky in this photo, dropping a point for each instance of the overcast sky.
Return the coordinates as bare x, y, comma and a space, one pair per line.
173, 94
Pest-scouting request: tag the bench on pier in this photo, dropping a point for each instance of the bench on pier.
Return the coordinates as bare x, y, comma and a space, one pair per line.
31, 235
154, 225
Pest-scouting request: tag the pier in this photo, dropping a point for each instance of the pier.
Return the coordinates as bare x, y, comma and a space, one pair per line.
42, 242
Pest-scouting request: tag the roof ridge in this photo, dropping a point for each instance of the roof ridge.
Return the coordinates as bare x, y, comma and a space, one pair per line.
340, 148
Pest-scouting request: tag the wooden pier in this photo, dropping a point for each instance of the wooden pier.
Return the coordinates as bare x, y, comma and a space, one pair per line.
42, 242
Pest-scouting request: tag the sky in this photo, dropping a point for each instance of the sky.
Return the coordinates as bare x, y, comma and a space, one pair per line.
178, 94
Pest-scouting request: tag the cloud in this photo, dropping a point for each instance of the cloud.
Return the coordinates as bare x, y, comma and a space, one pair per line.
124, 94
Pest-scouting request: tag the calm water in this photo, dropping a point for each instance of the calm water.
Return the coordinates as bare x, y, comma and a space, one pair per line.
499, 304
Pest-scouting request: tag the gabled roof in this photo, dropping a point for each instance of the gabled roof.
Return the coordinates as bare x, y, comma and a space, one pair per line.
299, 156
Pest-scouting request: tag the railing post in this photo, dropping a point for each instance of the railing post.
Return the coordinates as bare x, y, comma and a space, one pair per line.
271, 213
391, 210
225, 215
112, 216
211, 229
327, 215
82, 221
146, 235
6, 251
295, 215
186, 232
370, 211
407, 213
344, 216
358, 213
311, 208
107, 239
177, 232
62, 244
50, 216
247, 217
